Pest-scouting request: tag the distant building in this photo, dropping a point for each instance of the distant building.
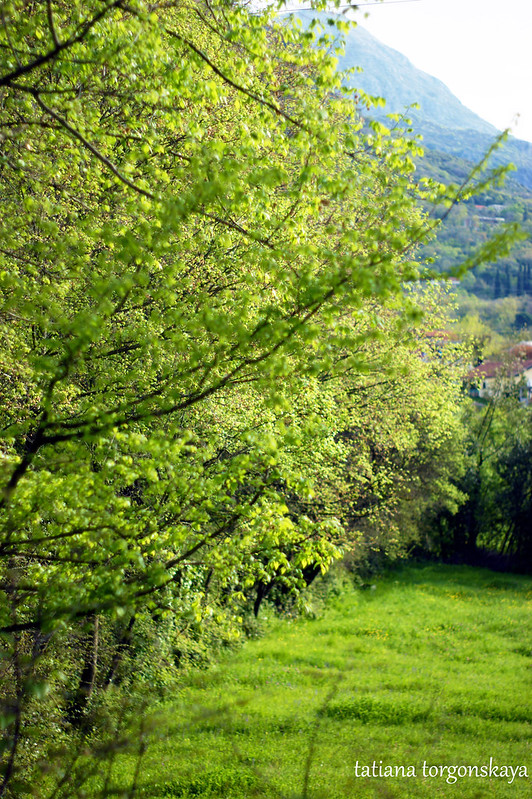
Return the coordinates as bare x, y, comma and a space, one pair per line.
522, 350
496, 378
491, 219
433, 343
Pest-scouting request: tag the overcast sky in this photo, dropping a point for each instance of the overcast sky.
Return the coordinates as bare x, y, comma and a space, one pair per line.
481, 49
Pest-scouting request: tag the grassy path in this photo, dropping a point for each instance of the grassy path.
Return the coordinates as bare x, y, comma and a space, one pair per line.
431, 667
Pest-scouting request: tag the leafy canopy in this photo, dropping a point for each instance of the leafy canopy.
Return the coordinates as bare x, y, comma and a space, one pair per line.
199, 236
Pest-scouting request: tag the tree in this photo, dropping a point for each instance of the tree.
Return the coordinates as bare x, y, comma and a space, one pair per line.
520, 281
497, 288
514, 497
194, 222
507, 282
496, 484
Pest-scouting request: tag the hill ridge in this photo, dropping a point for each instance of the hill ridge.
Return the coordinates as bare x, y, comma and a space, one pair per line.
444, 122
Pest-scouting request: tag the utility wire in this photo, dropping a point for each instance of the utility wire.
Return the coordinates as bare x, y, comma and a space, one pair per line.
352, 5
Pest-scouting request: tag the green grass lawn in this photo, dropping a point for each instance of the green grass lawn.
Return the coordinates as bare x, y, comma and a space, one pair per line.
432, 665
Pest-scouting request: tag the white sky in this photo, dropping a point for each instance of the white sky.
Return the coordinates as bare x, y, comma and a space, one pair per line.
481, 49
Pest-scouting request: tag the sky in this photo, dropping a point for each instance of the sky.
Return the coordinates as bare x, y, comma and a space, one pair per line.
481, 49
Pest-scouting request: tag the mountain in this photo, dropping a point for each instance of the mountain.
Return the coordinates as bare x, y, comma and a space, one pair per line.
389, 74
454, 139
444, 122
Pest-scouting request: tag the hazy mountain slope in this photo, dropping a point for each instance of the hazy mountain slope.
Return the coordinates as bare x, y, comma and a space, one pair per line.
445, 123
472, 145
391, 75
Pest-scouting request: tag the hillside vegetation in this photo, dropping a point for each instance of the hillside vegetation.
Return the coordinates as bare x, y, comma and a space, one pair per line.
469, 225
454, 140
444, 122
218, 372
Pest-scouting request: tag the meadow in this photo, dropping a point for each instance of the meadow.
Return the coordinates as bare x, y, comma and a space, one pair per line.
428, 669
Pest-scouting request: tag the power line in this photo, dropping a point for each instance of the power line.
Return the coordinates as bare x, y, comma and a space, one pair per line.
352, 5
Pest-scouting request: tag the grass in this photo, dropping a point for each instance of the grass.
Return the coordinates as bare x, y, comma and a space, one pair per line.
433, 665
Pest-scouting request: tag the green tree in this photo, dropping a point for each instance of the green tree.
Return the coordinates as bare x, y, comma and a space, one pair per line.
497, 286
495, 482
514, 497
520, 281
194, 222
507, 282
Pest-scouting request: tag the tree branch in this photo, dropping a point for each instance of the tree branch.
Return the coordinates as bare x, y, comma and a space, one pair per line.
242, 89
100, 156
51, 24
23, 69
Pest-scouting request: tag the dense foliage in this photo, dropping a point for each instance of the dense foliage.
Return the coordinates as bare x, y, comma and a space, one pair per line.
499, 291
497, 485
209, 374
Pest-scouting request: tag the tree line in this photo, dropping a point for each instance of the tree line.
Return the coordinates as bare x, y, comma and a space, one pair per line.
213, 383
